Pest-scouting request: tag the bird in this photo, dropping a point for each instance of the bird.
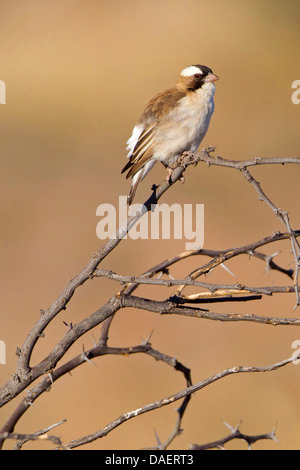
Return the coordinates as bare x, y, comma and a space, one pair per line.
174, 121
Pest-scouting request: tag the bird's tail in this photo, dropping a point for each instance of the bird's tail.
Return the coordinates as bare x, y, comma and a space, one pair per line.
136, 179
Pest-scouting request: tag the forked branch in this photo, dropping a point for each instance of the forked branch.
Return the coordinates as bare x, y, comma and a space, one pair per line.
48, 370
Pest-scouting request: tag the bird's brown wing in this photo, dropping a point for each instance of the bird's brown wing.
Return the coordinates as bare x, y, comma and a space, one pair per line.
142, 152
156, 109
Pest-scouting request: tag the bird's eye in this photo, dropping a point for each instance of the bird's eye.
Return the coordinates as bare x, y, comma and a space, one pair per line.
197, 75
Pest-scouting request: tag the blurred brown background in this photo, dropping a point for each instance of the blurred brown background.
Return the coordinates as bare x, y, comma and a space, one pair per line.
78, 74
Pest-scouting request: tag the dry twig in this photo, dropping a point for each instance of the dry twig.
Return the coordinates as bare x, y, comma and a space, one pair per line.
235, 433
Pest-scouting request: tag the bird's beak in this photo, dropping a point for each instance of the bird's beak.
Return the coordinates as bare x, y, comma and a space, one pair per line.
211, 77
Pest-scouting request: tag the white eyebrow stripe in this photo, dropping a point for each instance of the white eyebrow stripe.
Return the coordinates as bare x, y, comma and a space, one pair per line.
191, 70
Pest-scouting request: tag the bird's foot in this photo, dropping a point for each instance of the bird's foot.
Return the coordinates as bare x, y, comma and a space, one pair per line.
169, 175
186, 159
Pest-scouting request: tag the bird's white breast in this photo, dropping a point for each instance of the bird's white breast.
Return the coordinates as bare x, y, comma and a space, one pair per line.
185, 127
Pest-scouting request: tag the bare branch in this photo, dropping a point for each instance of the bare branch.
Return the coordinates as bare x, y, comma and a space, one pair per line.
235, 434
46, 368
173, 398
37, 436
215, 290
169, 307
282, 215
97, 351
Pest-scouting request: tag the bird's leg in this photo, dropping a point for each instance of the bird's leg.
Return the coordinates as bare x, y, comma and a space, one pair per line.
169, 176
170, 172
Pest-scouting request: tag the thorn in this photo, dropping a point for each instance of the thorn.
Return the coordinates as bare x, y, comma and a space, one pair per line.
94, 340
146, 341
70, 326
227, 269
165, 271
231, 428
273, 436
269, 259
275, 254
50, 377
210, 271
85, 358
157, 438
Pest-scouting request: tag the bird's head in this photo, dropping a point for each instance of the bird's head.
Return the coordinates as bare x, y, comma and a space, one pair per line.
195, 76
